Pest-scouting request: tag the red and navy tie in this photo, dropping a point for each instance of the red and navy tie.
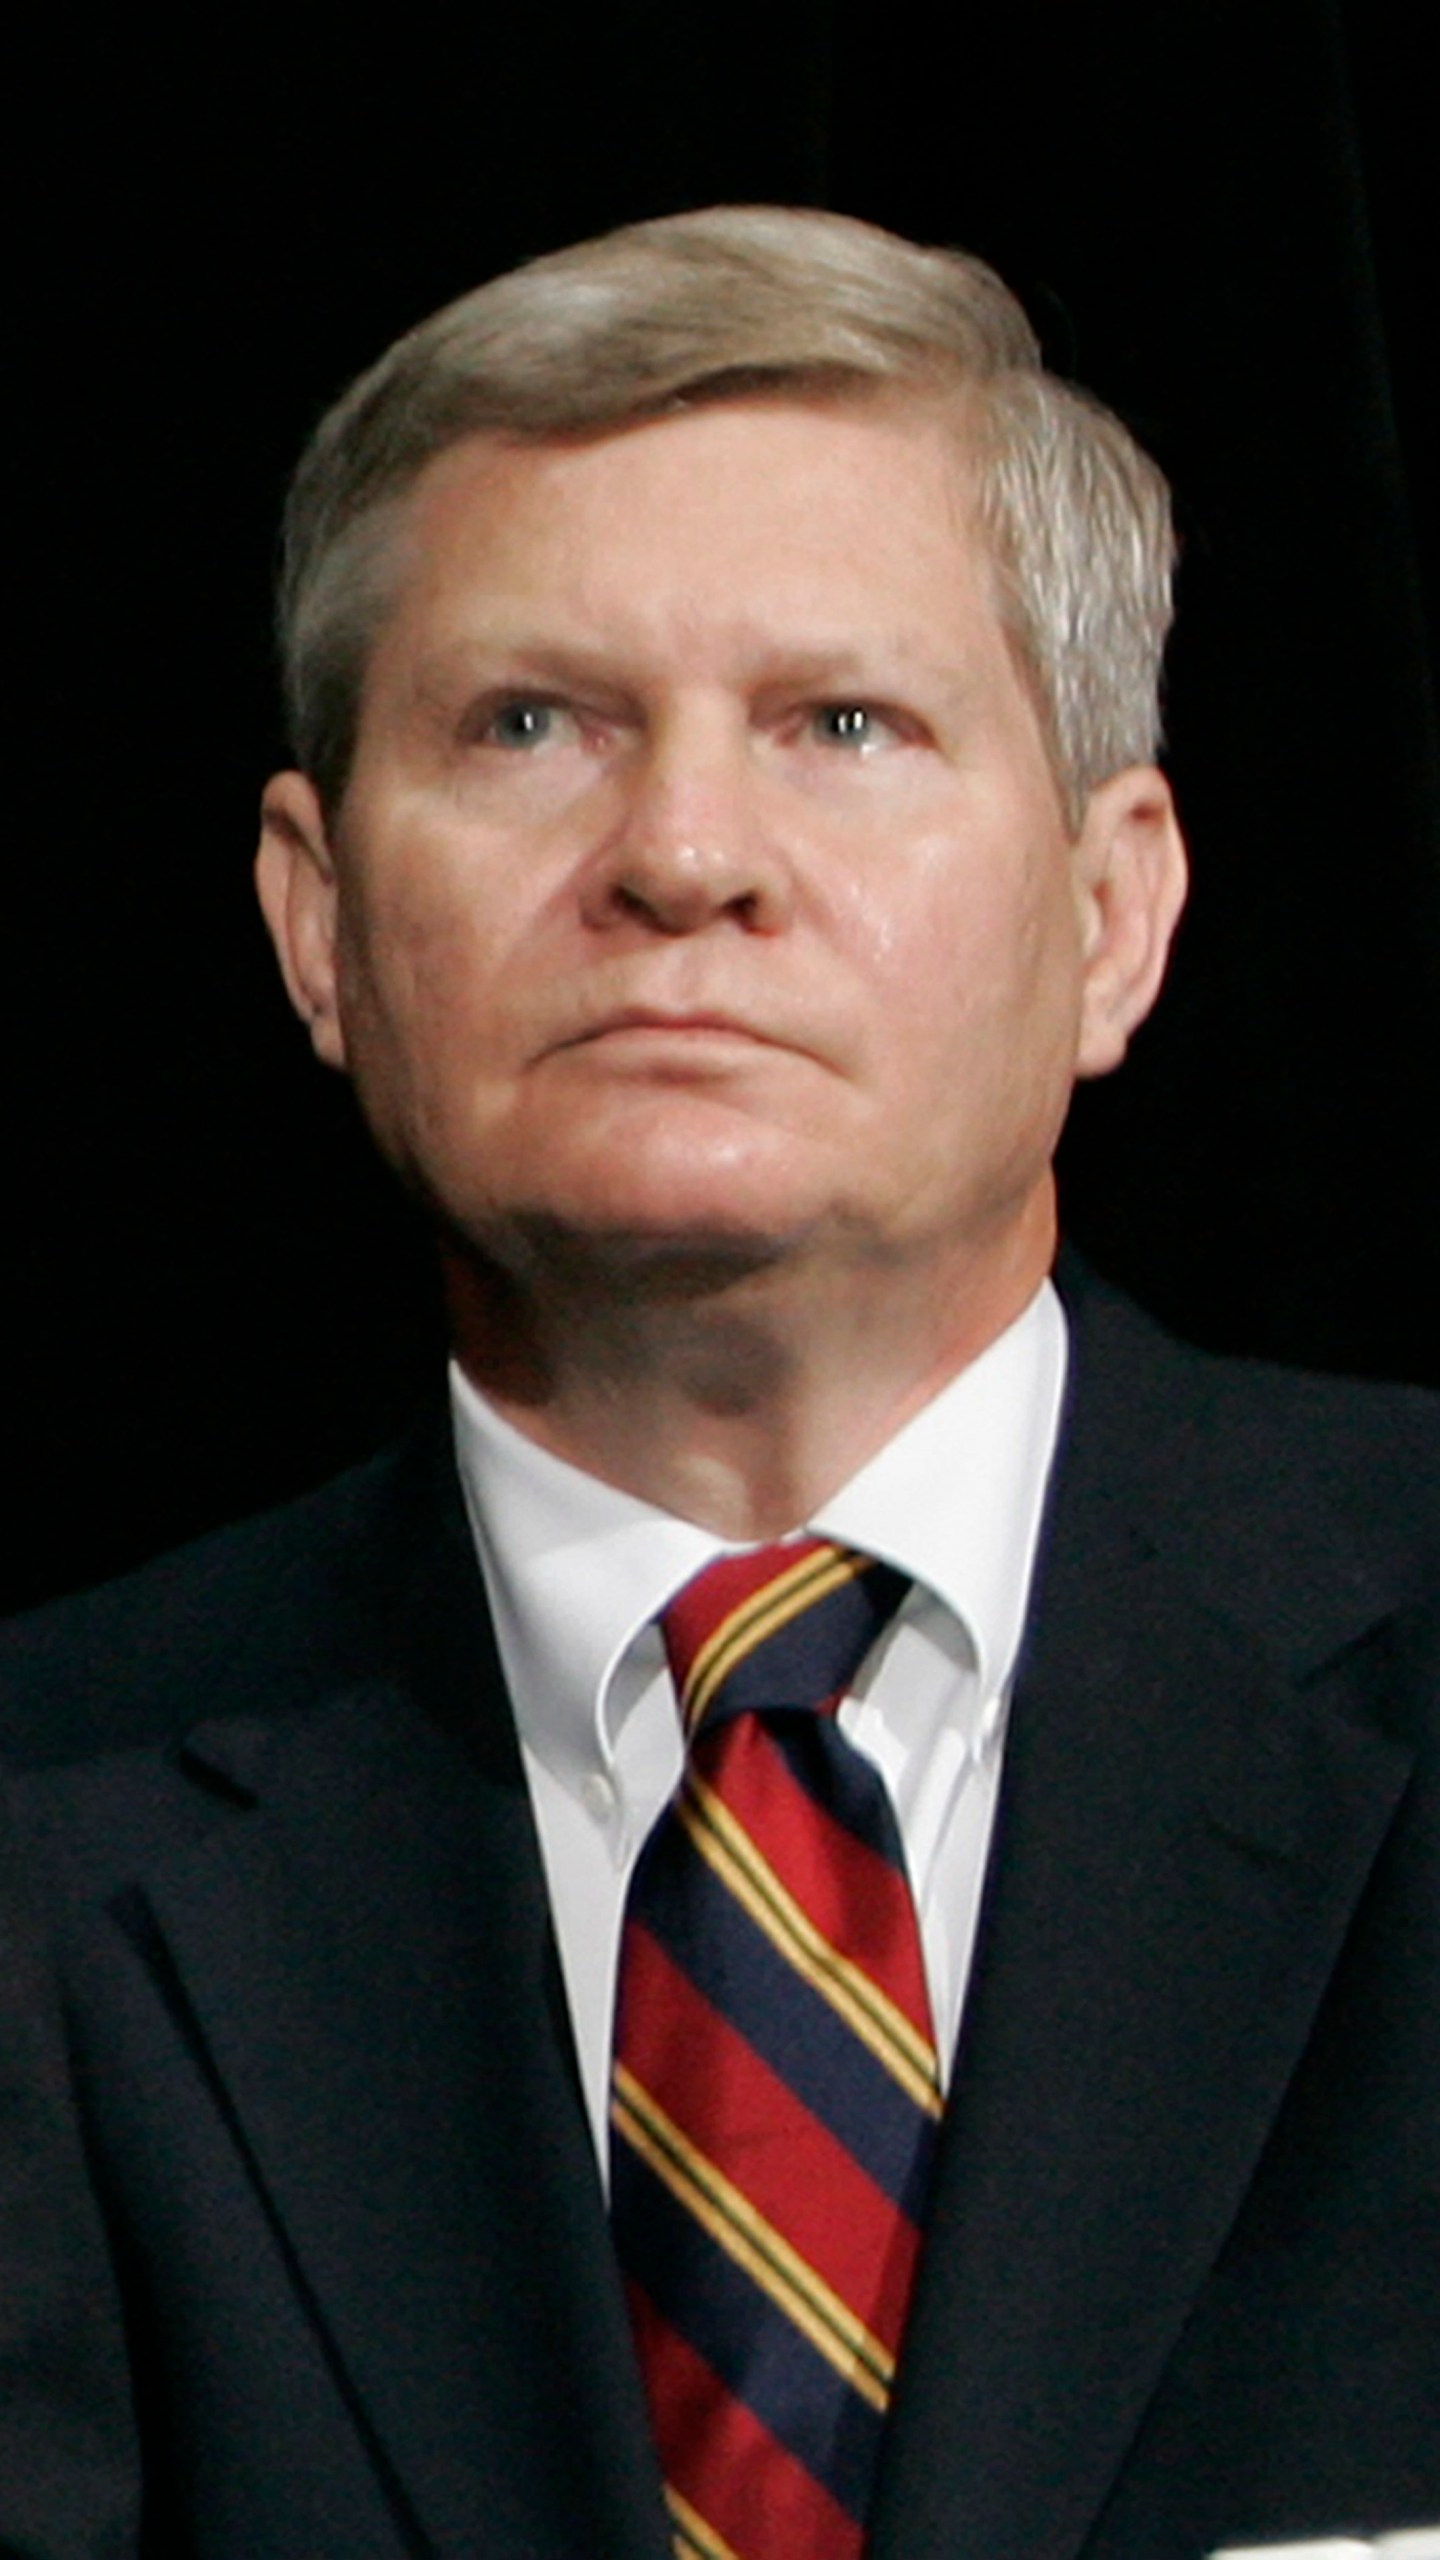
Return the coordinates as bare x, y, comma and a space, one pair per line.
776, 2088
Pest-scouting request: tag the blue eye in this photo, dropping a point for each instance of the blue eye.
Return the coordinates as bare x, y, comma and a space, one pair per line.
847, 724
522, 724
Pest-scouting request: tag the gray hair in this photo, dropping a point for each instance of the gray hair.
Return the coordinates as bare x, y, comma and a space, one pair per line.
737, 301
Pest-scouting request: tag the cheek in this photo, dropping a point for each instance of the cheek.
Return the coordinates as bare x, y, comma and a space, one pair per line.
941, 918
425, 924
982, 987
419, 993
905, 913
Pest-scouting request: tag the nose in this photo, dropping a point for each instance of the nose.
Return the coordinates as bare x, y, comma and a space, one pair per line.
690, 846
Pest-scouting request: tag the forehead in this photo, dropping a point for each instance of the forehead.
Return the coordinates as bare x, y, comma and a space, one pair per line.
777, 514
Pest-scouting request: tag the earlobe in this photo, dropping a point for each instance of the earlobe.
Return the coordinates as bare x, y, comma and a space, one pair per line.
295, 881
1131, 877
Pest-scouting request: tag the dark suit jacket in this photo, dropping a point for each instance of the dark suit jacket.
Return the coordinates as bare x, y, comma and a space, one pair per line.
1182, 2280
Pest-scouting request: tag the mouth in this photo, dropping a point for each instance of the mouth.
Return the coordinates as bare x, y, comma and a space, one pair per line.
706, 1051
642, 1026
685, 1034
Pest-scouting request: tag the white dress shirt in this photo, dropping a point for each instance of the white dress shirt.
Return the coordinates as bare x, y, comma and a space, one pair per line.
577, 1573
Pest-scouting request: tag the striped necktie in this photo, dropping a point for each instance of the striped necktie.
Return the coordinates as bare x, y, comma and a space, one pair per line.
776, 2089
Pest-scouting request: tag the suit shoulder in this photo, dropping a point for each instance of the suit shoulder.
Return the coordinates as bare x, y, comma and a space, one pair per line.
273, 1607
1307, 1505
1370, 1446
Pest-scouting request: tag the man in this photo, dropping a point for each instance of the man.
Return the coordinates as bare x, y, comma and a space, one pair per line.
723, 671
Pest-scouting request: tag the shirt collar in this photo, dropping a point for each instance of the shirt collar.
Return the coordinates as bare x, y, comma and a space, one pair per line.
575, 1568
955, 1498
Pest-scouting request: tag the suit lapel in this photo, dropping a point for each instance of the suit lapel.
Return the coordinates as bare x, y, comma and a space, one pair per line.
366, 1954
1181, 1841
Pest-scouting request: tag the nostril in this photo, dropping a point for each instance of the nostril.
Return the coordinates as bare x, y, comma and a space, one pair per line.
678, 882
664, 914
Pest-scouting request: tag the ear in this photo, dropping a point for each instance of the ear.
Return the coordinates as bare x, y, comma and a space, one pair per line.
1130, 877
295, 878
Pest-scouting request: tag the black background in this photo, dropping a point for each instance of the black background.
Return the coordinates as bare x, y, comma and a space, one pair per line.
1223, 218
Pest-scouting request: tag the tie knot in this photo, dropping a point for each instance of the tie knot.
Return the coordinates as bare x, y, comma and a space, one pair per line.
784, 1626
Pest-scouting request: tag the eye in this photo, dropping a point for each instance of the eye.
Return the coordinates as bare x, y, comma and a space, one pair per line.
851, 724
523, 722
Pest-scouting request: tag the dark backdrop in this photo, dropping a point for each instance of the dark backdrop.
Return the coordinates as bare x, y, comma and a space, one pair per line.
1222, 218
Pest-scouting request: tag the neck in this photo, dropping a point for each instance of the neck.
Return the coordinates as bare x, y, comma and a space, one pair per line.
736, 1397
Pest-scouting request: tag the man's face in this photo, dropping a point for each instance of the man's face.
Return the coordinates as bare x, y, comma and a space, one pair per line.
702, 879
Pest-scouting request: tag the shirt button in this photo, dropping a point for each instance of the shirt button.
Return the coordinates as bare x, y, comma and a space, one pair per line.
598, 1796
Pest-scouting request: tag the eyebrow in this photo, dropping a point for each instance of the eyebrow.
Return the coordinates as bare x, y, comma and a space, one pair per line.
522, 656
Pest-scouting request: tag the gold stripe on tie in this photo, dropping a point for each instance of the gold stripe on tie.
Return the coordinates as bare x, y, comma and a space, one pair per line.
762, 1615
866, 2009
807, 2301
694, 2538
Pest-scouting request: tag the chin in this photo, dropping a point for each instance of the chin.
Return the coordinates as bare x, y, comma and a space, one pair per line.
672, 1183
654, 1200
684, 1258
